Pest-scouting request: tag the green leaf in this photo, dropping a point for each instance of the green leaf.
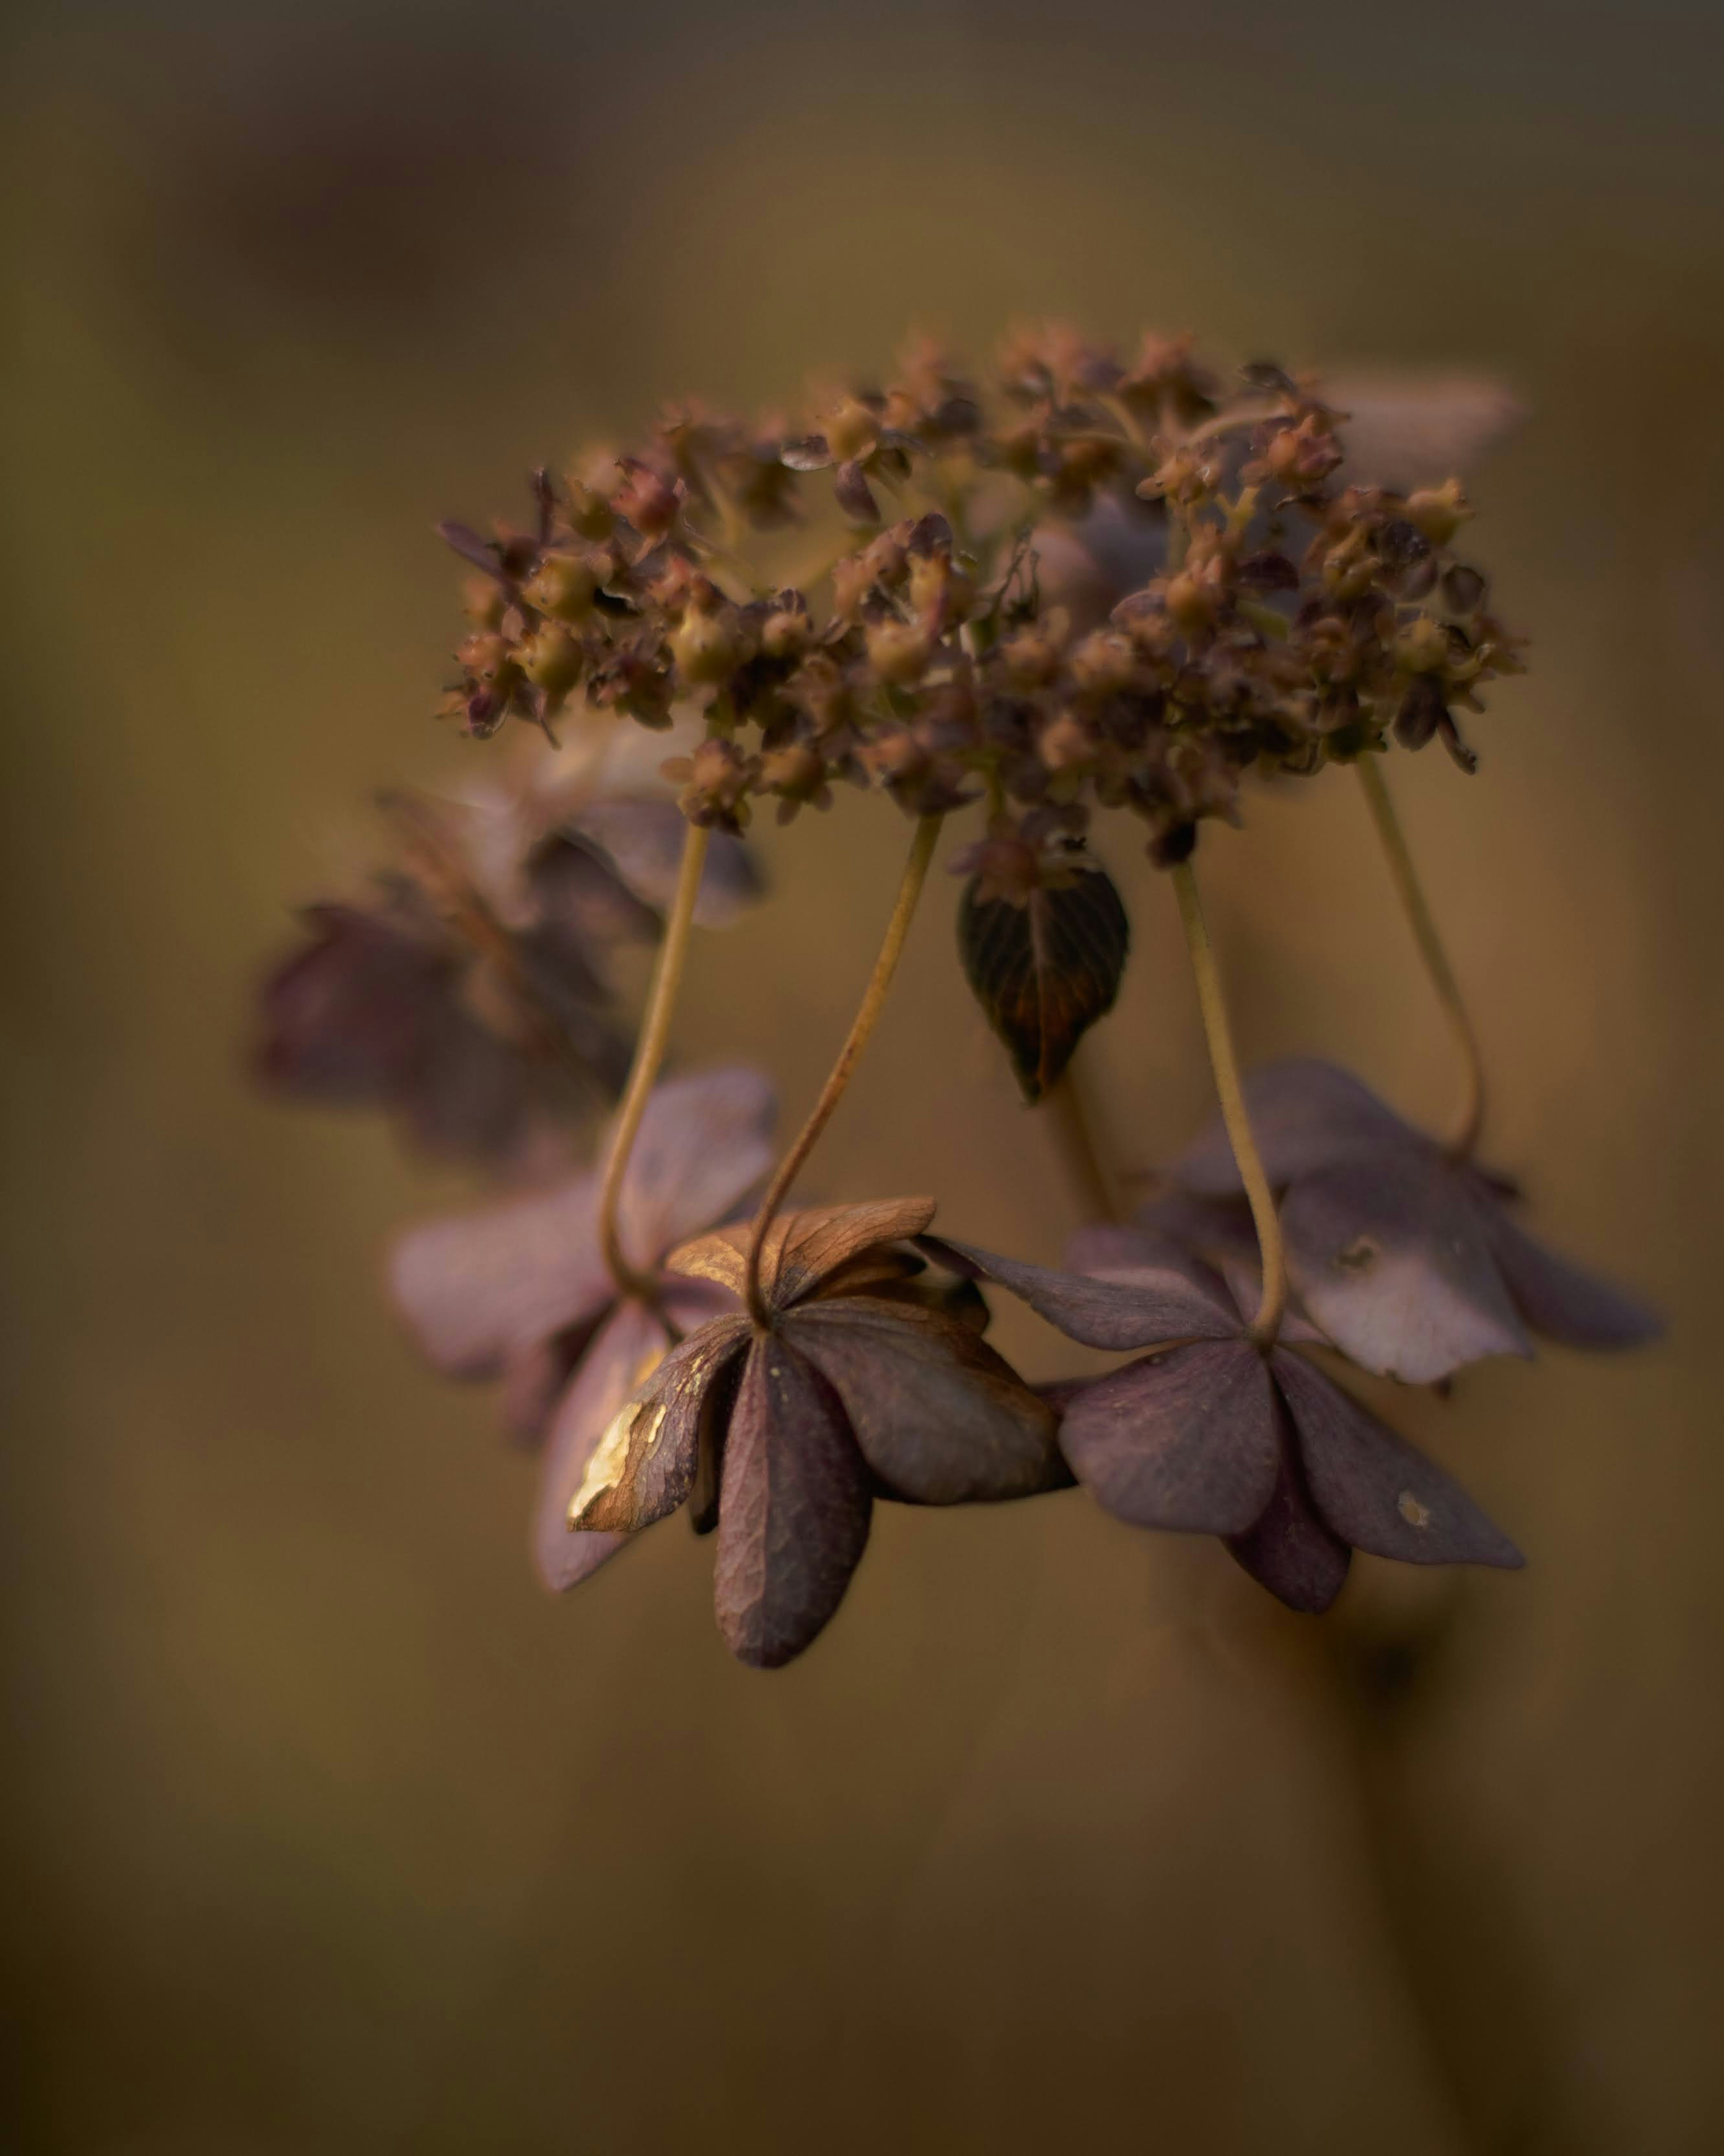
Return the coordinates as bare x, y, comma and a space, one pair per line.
1046, 969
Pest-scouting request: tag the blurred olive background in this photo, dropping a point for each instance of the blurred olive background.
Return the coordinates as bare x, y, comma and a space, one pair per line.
327, 1830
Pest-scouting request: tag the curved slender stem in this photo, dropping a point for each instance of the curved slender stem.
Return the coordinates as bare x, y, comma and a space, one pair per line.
1224, 1063
649, 1055
1470, 1120
1074, 1127
910, 889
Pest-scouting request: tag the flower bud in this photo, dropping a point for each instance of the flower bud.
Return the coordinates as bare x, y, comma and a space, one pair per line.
1423, 646
899, 651
563, 585
851, 429
482, 602
1438, 512
785, 634
1103, 663
552, 661
1191, 601
705, 647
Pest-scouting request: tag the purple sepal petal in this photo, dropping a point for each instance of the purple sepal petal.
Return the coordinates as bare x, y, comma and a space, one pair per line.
1289, 1551
1373, 1488
1188, 1440
1393, 1260
1152, 1307
1304, 1115
1560, 1301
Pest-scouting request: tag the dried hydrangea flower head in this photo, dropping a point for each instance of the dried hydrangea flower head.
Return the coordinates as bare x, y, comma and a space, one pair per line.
1067, 592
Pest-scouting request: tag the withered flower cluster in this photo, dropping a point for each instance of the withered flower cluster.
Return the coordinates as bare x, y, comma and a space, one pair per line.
1285, 616
1072, 584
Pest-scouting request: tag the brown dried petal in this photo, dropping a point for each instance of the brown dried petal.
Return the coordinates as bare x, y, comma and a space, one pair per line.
1560, 1301
940, 1418
1392, 1260
620, 1359
1189, 1439
643, 1464
1372, 1488
1172, 1302
794, 1511
803, 1249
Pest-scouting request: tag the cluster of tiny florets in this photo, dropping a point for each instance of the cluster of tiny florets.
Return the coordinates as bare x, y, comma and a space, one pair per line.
1274, 613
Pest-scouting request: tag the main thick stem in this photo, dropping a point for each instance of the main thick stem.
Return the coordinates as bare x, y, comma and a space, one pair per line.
1224, 1063
1470, 1119
648, 1056
910, 889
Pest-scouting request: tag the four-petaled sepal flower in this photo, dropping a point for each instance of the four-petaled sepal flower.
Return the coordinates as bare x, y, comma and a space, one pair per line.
1209, 1434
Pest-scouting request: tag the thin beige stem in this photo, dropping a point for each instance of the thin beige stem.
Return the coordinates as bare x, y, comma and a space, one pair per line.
910, 889
1224, 1063
1074, 1129
648, 1056
1470, 1118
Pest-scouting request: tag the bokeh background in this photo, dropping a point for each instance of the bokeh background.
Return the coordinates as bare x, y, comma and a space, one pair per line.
326, 1832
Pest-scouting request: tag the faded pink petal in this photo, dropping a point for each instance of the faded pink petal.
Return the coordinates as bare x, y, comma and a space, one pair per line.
704, 1143
1393, 1260
475, 1285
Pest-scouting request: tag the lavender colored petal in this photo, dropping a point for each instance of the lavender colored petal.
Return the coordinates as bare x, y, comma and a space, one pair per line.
1391, 1257
1560, 1301
1289, 1550
793, 1510
1153, 1306
623, 1353
1373, 1488
703, 1140
537, 1374
644, 1462
1187, 1440
940, 1418
1304, 1115
475, 1285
